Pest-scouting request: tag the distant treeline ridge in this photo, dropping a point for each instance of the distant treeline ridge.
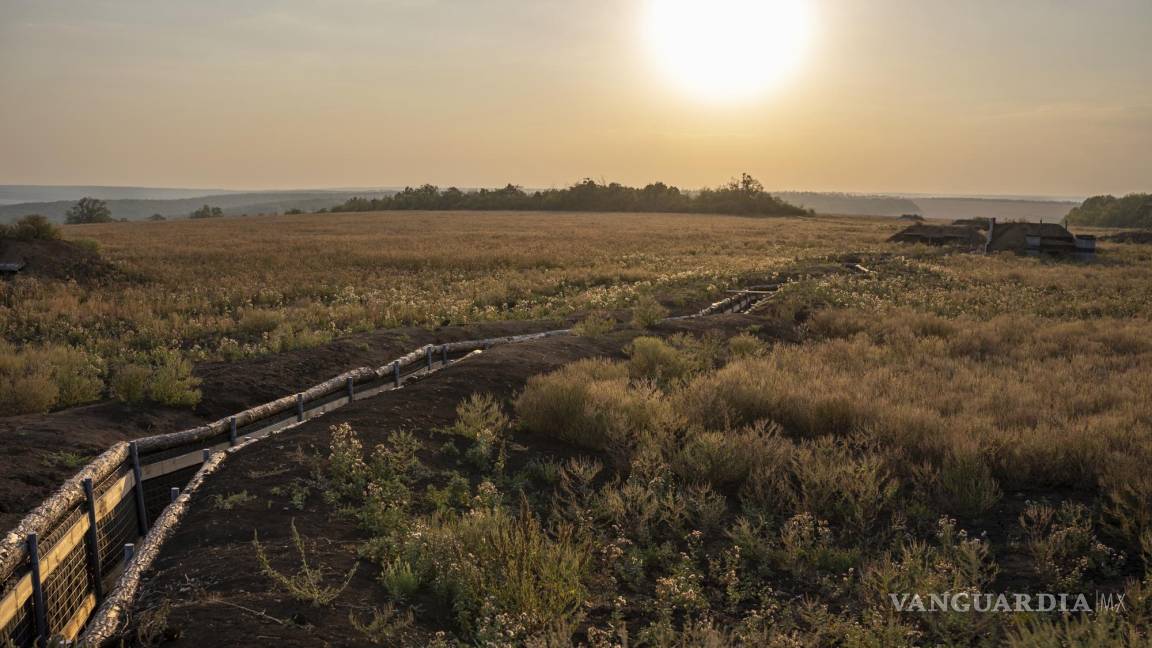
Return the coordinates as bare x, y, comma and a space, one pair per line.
1133, 210
740, 196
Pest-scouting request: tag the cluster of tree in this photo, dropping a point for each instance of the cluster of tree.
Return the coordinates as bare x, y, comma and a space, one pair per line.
207, 211
88, 210
1133, 210
32, 227
740, 196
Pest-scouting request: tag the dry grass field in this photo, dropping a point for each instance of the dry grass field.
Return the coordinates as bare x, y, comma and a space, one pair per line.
237, 287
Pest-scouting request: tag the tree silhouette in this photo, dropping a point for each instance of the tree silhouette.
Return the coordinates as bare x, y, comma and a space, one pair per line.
88, 210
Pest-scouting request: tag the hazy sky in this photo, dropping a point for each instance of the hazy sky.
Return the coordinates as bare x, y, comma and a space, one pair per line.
1036, 97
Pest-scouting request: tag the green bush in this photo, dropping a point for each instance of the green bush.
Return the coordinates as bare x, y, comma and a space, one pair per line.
172, 381
40, 379
130, 383
32, 227
647, 312
654, 359
492, 564
590, 403
729, 457
746, 345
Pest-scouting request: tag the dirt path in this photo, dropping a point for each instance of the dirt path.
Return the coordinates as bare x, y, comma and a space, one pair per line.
208, 572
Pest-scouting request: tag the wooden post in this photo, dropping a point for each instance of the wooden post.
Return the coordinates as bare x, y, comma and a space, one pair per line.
174, 493
299, 407
129, 553
207, 454
141, 512
93, 541
37, 591
428, 355
444, 354
351, 388
396, 372
232, 431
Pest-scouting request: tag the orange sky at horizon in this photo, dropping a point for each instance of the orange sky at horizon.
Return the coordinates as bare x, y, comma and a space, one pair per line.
1036, 97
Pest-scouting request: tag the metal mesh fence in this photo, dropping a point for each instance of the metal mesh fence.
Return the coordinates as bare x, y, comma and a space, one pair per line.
161, 455
70, 584
158, 491
67, 588
114, 531
21, 630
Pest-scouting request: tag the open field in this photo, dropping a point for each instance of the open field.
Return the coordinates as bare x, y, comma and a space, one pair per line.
233, 288
945, 423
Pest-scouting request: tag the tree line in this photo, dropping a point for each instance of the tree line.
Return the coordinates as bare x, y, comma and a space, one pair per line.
744, 195
1133, 210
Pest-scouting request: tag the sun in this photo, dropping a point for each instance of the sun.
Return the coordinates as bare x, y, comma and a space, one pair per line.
726, 50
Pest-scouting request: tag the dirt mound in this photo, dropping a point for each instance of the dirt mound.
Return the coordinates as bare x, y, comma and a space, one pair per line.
61, 260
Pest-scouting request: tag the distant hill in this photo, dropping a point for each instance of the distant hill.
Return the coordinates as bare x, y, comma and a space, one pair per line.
136, 203
945, 208
260, 202
14, 194
1050, 211
850, 204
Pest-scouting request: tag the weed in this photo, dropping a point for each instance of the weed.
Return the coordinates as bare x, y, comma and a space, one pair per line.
307, 583
235, 500
387, 627
65, 459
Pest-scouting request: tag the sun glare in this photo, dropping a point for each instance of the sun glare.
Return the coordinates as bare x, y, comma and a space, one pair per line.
727, 50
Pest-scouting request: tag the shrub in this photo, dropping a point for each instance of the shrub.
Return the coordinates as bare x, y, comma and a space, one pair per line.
964, 484
654, 359
32, 227
40, 379
77, 375
492, 563
480, 418
746, 345
729, 457
1127, 486
848, 486
590, 403
1062, 545
30, 391
647, 312
172, 381
130, 383
401, 581
594, 325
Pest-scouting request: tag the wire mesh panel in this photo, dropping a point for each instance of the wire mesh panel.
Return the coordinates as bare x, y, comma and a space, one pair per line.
21, 630
160, 455
67, 588
114, 531
158, 490
68, 584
